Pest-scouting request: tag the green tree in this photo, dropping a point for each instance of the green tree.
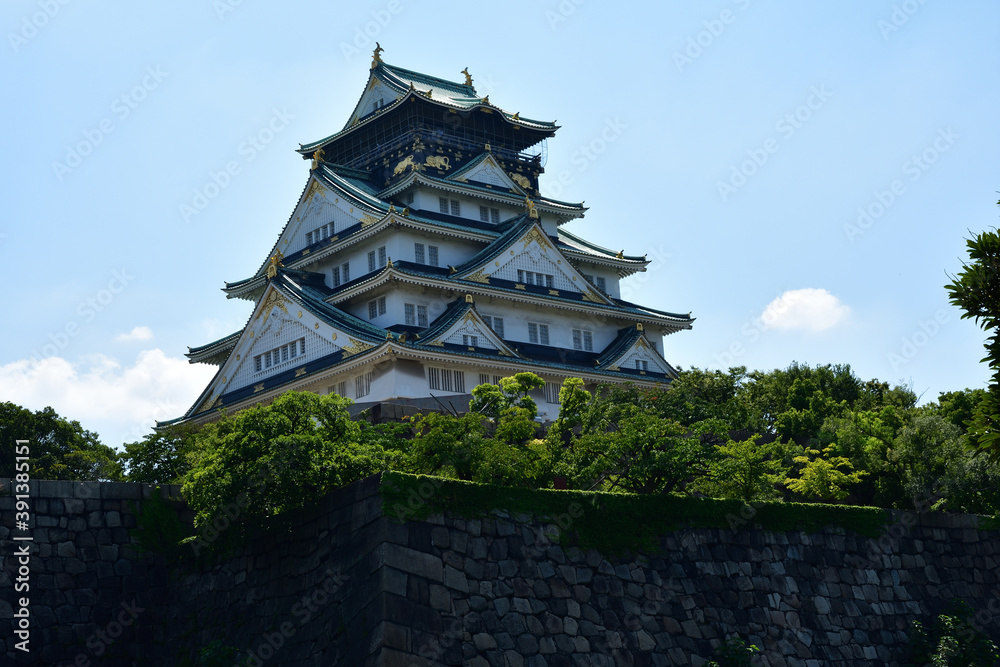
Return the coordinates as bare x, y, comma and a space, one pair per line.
821, 476
492, 400
59, 448
955, 640
976, 290
270, 459
162, 456
744, 470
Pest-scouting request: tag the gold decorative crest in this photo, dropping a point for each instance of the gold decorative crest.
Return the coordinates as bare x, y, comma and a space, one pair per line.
274, 300
356, 347
479, 277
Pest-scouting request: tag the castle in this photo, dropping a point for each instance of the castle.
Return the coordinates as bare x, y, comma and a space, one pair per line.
421, 260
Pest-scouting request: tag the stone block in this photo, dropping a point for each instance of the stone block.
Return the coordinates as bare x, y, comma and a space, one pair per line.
414, 562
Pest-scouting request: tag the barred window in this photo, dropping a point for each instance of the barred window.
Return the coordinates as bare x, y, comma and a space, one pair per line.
538, 333
280, 354
432, 255
486, 378
495, 323
445, 379
443, 201
641, 365
552, 392
470, 341
418, 253
583, 340
363, 384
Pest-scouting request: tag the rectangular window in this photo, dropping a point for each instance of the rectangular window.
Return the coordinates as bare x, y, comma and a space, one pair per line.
340, 389
456, 208
495, 323
279, 354
336, 276
418, 253
309, 238
347, 272
363, 384
432, 255
552, 392
601, 284
641, 365
538, 333
381, 305
583, 340
484, 213
409, 198
495, 216
549, 281
371, 261
520, 276
445, 379
443, 201
372, 310
415, 315
470, 341
381, 257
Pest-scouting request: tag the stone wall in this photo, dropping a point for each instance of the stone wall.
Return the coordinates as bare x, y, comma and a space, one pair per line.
343, 584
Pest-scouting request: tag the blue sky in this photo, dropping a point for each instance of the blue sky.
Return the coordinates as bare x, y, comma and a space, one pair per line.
802, 175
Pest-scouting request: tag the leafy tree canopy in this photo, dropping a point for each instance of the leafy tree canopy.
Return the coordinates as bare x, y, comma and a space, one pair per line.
60, 449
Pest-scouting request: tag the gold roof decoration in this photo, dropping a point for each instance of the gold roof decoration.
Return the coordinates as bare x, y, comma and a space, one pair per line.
274, 265
530, 206
468, 77
317, 158
377, 55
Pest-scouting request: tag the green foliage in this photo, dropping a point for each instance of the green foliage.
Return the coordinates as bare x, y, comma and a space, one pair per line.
161, 457
954, 641
607, 521
733, 653
269, 459
158, 528
976, 290
821, 477
573, 400
59, 449
447, 445
493, 401
744, 471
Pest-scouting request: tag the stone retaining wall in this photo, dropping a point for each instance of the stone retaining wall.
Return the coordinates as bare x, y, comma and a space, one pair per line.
342, 584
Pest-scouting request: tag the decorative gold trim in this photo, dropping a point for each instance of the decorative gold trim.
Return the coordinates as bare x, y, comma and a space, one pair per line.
299, 372
377, 55
535, 235
274, 264
367, 219
258, 387
274, 300
553, 292
479, 277
468, 77
403, 164
317, 158
315, 188
519, 286
356, 347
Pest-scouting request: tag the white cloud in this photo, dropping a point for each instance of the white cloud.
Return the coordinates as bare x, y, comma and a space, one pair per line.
118, 402
805, 309
138, 333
